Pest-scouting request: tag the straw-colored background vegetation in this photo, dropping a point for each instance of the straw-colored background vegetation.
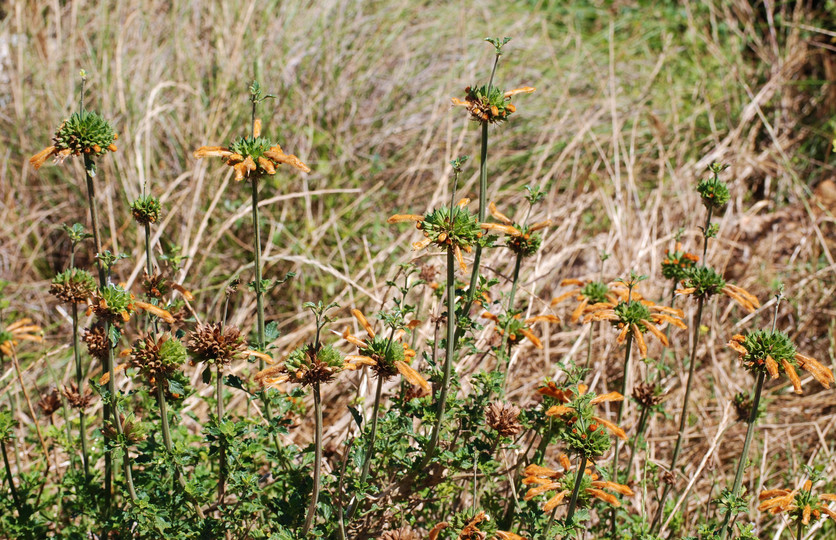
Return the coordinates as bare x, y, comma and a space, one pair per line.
634, 99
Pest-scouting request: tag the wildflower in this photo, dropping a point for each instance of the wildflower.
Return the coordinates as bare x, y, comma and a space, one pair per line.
74, 286
647, 394
773, 352
471, 530
714, 193
115, 304
578, 424
84, 132
704, 282
216, 344
306, 366
460, 230
490, 104
252, 156
636, 317
545, 479
587, 293
503, 418
14, 333
132, 430
77, 399
528, 241
677, 263
800, 505
157, 359
517, 328
386, 357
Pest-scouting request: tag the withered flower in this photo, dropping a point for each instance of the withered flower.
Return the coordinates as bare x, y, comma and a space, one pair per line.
132, 430
157, 359
49, 403
215, 344
587, 293
704, 282
306, 366
489, 104
78, 399
74, 286
404, 533
562, 482
84, 132
503, 418
528, 241
647, 394
97, 342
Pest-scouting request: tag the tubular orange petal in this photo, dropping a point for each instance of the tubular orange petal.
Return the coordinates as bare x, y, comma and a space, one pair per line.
40, 158
363, 321
555, 501
412, 376
522, 90
531, 337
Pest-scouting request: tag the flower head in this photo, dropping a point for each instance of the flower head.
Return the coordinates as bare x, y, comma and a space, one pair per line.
116, 305
306, 365
528, 241
146, 209
677, 263
84, 132
561, 482
636, 317
216, 344
503, 418
157, 359
704, 282
386, 357
773, 352
97, 341
714, 193
799, 504
20, 330
578, 426
517, 328
252, 156
489, 104
458, 229
587, 293
74, 286
50, 403
78, 399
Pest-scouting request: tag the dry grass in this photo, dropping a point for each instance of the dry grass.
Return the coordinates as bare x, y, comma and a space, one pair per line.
629, 111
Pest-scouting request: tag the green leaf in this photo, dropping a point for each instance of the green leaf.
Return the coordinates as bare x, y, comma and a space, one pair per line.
207, 375
356, 415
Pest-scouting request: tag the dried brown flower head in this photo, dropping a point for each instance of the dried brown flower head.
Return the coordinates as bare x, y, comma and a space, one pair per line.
50, 403
404, 533
131, 429
156, 360
306, 366
78, 400
74, 286
503, 418
97, 342
216, 344
471, 530
647, 394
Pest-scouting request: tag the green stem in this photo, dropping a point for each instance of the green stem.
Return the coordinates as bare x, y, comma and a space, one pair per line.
799, 530
219, 389
621, 415
514, 281
9, 478
367, 461
705, 233
79, 377
259, 294
164, 417
576, 490
741, 465
643, 417
483, 204
448, 360
683, 419
317, 461
97, 240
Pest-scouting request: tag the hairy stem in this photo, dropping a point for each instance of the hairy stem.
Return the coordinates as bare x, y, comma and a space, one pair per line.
643, 417
573, 502
367, 461
219, 393
10, 479
621, 415
483, 204
317, 460
79, 377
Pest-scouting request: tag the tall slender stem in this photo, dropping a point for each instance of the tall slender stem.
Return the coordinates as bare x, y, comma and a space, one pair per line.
741, 465
448, 360
514, 281
10, 479
645, 414
683, 419
367, 460
317, 460
259, 293
16, 365
79, 377
570, 513
621, 408
483, 204
219, 394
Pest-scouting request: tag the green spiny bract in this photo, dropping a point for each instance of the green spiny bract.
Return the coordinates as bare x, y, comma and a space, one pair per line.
73, 285
114, 304
146, 209
488, 105
632, 312
714, 193
385, 354
462, 230
677, 263
527, 243
580, 431
253, 147
157, 359
85, 132
704, 280
307, 365
595, 292
763, 343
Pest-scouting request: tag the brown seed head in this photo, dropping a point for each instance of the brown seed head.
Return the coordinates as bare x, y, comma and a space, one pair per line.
97, 342
503, 418
646, 394
50, 403
78, 400
215, 344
